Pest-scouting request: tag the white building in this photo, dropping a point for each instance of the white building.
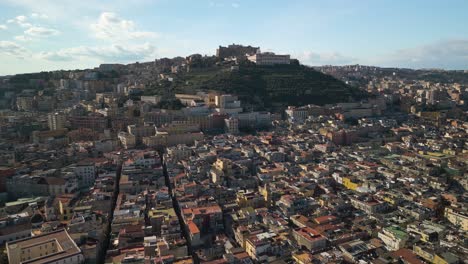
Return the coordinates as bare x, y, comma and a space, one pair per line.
269, 58
227, 104
393, 237
297, 114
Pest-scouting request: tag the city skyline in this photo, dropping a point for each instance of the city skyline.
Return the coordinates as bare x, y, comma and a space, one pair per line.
44, 35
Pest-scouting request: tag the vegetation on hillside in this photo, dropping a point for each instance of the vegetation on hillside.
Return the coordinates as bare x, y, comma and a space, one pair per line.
269, 85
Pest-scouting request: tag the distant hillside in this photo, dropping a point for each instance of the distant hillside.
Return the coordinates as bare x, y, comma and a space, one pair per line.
269, 85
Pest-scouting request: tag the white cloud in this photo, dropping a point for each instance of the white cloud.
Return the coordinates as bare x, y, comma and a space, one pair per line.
58, 10
20, 20
3, 27
22, 38
39, 15
220, 4
111, 27
113, 53
324, 58
31, 30
41, 32
12, 49
446, 54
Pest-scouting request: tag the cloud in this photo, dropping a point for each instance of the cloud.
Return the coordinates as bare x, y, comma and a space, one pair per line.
41, 32
20, 20
39, 15
446, 54
111, 27
223, 4
324, 58
3, 27
12, 49
58, 10
31, 30
22, 38
113, 53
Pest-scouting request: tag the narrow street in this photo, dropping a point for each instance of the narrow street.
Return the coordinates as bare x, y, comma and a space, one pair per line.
178, 210
104, 246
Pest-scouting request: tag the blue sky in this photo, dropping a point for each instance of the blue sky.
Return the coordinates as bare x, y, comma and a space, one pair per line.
40, 35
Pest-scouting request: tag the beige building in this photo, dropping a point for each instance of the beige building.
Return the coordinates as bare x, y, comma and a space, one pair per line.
309, 238
457, 217
171, 139
128, 140
227, 104
146, 130
55, 247
269, 58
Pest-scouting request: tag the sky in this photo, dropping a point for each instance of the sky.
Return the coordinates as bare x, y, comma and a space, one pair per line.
43, 35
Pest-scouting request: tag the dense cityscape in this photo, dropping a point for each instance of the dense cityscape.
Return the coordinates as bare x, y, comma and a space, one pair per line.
118, 164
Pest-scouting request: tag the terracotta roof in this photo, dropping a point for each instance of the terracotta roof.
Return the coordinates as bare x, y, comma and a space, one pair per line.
325, 219
407, 255
193, 228
55, 181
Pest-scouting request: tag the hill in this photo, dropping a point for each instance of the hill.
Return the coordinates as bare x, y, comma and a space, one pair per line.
266, 86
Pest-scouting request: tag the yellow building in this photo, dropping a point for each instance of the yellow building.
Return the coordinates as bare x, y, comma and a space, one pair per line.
250, 199
302, 258
446, 258
457, 217
351, 184
424, 253
65, 209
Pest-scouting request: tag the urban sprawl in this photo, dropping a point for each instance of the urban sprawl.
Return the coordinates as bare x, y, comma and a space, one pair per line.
94, 169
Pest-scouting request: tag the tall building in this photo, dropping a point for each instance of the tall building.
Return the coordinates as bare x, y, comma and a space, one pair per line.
86, 174
56, 121
231, 125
